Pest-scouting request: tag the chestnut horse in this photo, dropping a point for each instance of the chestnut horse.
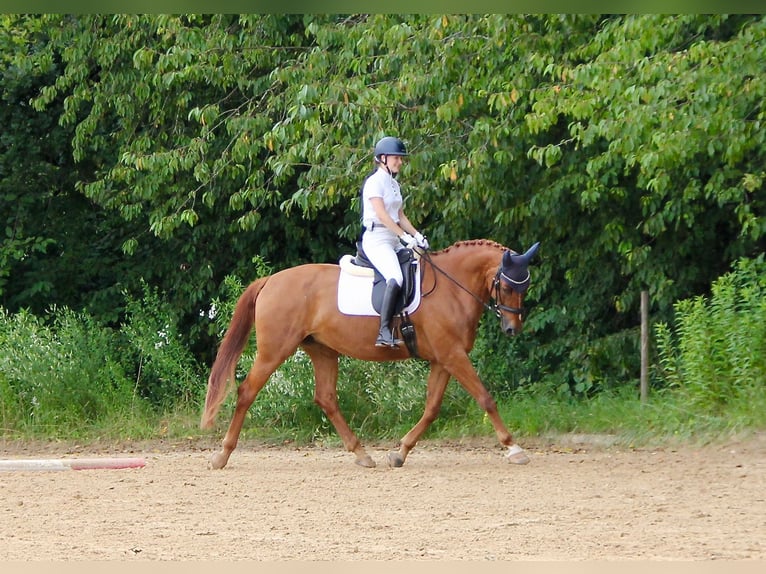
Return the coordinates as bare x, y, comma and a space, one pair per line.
298, 307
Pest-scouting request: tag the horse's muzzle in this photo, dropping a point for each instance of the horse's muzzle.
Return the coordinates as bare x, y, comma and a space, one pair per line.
509, 327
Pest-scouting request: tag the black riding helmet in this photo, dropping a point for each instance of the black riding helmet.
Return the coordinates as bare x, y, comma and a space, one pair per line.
389, 145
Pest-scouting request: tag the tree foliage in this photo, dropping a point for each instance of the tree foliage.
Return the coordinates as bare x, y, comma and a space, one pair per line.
632, 146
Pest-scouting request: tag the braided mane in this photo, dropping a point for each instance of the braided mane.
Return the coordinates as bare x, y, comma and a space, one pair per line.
473, 243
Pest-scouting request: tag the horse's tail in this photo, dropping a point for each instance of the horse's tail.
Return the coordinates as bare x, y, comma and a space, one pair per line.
222, 375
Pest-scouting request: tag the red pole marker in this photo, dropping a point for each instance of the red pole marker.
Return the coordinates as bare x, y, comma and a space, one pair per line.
72, 464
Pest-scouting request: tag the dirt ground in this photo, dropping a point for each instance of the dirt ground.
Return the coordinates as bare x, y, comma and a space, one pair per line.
577, 500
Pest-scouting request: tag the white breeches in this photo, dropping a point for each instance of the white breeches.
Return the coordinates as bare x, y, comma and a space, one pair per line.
380, 246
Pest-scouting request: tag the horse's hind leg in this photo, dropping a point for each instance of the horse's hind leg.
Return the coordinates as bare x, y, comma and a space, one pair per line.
437, 384
325, 362
246, 393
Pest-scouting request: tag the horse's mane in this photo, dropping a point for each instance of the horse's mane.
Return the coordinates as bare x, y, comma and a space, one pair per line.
473, 243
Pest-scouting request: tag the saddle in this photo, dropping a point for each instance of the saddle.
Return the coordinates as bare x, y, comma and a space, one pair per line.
409, 266
361, 289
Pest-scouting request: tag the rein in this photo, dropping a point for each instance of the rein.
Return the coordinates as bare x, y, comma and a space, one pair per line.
495, 307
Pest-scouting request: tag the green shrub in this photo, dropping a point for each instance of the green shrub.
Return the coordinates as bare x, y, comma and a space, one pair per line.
715, 355
164, 370
66, 375
59, 377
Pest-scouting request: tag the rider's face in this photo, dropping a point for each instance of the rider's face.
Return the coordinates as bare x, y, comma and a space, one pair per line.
393, 162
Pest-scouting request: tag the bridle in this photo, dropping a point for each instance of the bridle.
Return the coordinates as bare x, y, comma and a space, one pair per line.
518, 286
495, 305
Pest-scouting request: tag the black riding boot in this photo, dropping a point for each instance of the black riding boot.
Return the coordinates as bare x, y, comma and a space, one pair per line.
385, 337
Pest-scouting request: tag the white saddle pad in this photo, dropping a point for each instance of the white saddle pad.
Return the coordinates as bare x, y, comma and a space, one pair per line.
355, 289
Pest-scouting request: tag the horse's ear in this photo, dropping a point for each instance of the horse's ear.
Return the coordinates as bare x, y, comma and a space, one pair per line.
531, 251
523, 259
507, 259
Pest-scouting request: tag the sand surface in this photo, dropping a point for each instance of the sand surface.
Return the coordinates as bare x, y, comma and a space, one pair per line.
577, 500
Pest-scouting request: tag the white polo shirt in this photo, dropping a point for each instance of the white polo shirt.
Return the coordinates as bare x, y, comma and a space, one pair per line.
380, 184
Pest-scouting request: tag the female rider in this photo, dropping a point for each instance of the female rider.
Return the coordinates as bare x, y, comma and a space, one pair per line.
387, 229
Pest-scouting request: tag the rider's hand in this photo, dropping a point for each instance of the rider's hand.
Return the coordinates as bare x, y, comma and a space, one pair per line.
408, 240
421, 240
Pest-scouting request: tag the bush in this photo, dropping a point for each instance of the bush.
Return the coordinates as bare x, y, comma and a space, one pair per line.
716, 353
56, 378
67, 375
164, 370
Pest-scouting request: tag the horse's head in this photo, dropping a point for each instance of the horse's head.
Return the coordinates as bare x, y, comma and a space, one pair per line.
510, 287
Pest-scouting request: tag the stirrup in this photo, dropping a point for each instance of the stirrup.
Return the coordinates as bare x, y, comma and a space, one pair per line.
395, 344
392, 343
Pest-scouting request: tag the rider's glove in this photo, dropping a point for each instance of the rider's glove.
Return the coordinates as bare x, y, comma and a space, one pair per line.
408, 240
421, 240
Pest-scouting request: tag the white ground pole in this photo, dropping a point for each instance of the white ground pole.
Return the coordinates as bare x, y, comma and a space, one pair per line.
70, 464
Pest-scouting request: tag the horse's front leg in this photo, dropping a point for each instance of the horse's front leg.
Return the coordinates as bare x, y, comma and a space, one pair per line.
325, 362
462, 369
437, 384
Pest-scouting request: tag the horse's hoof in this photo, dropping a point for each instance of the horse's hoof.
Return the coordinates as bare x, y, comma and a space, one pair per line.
520, 458
366, 461
395, 460
516, 455
218, 461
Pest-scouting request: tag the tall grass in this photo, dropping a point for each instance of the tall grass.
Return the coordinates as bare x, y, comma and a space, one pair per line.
164, 371
380, 401
57, 377
713, 360
66, 376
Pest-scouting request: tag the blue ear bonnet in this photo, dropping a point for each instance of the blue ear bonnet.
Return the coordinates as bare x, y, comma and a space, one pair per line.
515, 268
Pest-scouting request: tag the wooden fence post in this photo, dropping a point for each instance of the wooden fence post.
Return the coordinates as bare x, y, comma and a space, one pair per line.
644, 345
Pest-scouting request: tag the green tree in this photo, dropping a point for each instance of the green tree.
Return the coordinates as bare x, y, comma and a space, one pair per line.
660, 164
630, 145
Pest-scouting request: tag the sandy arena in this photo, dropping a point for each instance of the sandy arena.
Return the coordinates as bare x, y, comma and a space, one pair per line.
577, 500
